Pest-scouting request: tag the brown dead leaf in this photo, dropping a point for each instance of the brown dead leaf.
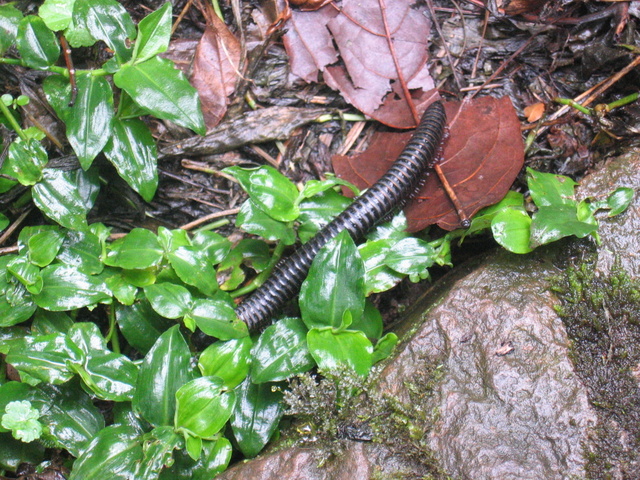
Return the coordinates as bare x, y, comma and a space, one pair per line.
534, 112
482, 157
363, 65
215, 69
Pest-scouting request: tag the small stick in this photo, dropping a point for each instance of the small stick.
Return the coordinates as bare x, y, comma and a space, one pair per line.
464, 219
66, 50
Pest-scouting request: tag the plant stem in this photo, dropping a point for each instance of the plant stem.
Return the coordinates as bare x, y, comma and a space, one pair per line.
112, 335
12, 120
262, 277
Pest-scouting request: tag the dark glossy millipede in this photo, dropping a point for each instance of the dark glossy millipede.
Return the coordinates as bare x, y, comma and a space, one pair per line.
386, 195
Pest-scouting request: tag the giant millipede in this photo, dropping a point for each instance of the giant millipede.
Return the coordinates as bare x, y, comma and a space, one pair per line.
387, 194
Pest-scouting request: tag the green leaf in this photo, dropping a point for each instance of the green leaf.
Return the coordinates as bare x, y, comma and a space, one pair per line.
411, 256
82, 250
159, 445
66, 197
619, 200
14, 452
89, 120
159, 87
44, 357
25, 161
38, 46
335, 284
22, 419
56, 13
9, 20
271, 191
163, 371
553, 223
113, 454
317, 187
216, 246
141, 325
253, 220
318, 211
154, 33
548, 189
281, 352
44, 246
139, 248
384, 347
67, 288
109, 375
395, 229
203, 406
46, 322
370, 323
193, 268
512, 229
217, 318
19, 307
69, 414
106, 20
229, 360
27, 273
168, 299
332, 350
256, 416
378, 276
132, 150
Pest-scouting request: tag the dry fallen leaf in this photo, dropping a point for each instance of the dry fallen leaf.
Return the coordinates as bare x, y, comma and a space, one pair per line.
482, 157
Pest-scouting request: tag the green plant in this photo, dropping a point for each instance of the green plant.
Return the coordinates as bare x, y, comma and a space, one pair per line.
84, 101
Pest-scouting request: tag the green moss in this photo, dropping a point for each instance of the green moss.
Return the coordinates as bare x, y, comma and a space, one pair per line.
602, 318
340, 407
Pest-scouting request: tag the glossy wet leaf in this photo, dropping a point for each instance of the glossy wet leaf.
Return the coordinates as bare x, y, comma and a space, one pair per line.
38, 46
384, 347
19, 310
159, 87
619, 200
192, 266
216, 246
159, 445
334, 285
256, 416
512, 229
217, 318
56, 14
66, 197
482, 220
109, 375
44, 246
154, 33
204, 406
253, 220
165, 368
66, 287
25, 161
106, 20
70, 415
378, 276
318, 211
140, 248
548, 189
82, 250
273, 193
214, 458
10, 17
228, 360
44, 357
14, 452
132, 150
553, 223
22, 420
281, 352
370, 323
168, 299
410, 256
45, 322
113, 454
332, 350
141, 325
27, 273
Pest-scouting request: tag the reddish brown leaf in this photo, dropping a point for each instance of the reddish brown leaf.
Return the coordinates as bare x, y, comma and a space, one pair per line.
215, 69
367, 75
482, 157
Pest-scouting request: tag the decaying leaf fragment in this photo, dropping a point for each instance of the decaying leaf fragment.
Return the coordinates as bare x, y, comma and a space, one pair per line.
481, 159
376, 51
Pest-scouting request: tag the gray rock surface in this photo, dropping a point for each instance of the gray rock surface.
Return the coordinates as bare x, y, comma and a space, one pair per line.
508, 404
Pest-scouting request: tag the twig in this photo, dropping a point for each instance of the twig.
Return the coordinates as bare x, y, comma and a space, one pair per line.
207, 218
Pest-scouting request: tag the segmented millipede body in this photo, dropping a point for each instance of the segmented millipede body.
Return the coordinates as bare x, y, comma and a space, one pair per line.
387, 194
